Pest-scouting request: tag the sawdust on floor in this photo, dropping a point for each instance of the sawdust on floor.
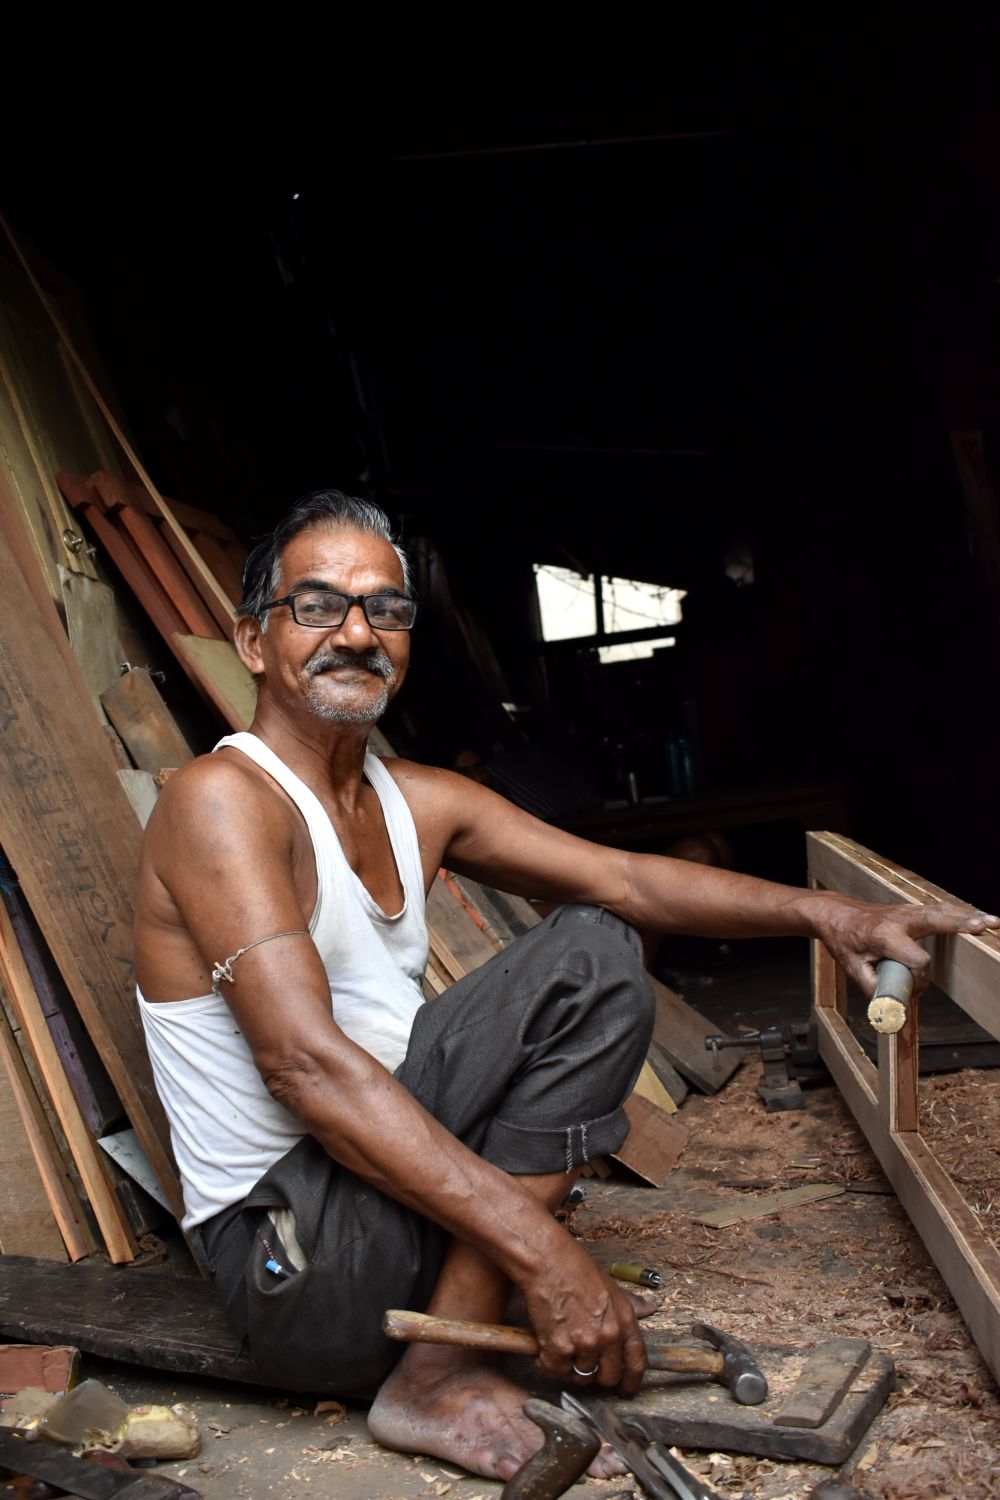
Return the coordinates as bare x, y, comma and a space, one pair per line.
850, 1265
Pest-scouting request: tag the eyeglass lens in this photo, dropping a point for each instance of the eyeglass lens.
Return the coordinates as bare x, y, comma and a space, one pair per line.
382, 611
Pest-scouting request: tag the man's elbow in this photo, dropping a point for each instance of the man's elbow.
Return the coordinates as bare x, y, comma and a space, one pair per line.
296, 1078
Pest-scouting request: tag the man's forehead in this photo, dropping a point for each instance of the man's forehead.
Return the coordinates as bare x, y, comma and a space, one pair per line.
329, 553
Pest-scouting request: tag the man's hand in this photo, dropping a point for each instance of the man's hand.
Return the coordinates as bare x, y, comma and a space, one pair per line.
859, 934
580, 1317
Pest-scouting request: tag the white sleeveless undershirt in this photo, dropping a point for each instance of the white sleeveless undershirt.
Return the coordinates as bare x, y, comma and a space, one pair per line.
225, 1126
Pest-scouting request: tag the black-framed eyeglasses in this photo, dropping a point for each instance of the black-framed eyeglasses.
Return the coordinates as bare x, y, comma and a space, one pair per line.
326, 610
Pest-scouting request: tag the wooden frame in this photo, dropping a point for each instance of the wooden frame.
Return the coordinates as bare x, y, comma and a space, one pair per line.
884, 1099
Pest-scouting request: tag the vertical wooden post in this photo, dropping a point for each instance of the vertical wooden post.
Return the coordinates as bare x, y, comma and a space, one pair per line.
898, 1060
829, 983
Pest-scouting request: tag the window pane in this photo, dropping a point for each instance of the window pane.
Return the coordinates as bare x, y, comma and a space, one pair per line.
629, 605
565, 602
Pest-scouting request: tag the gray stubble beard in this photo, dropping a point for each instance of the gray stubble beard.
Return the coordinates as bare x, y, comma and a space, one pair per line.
341, 712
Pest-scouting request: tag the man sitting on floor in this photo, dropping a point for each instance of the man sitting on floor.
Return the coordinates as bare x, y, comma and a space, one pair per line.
344, 1147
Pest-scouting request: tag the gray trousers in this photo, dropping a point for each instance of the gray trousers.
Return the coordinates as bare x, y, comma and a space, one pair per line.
527, 1061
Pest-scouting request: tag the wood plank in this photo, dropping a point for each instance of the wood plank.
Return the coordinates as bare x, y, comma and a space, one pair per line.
967, 968
135, 706
827, 1375
223, 562
222, 677
667, 1073
224, 619
89, 1164
898, 1057
27, 1223
760, 1205
681, 1031
953, 1236
135, 572
138, 1315
76, 875
24, 486
159, 559
141, 791
92, 625
648, 1086
63, 1202
653, 1144
462, 945
86, 1074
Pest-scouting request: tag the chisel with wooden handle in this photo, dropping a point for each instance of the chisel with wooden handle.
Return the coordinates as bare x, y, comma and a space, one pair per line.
730, 1362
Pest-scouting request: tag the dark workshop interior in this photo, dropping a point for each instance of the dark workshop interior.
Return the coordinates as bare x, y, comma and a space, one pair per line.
670, 341
696, 306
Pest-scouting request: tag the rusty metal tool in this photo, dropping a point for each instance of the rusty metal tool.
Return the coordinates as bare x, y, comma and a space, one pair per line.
662, 1476
91, 1481
569, 1447
728, 1361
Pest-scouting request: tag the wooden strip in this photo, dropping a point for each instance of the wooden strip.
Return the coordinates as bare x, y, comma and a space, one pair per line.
167, 572
653, 1144
221, 676
136, 708
224, 620
58, 516
141, 791
28, 1010
62, 1199
770, 1203
20, 547
92, 623
681, 1032
667, 1073
898, 1061
953, 1236
105, 411
223, 564
55, 772
967, 968
27, 1222
135, 572
87, 1076
648, 1086
829, 982
455, 934
826, 1377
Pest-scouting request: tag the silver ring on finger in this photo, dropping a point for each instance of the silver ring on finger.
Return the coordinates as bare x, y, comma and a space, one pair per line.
584, 1374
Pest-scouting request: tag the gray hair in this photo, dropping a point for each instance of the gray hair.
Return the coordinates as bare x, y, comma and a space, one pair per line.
326, 508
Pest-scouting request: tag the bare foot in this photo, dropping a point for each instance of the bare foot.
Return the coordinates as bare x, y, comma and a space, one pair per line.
444, 1403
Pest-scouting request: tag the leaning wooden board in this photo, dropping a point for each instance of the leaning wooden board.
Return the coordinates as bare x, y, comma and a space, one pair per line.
76, 871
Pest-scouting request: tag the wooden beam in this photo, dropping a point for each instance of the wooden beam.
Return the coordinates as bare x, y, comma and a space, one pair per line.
55, 774
182, 537
136, 708
966, 967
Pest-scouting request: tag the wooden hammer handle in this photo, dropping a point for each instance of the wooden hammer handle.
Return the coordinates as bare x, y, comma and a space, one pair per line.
502, 1338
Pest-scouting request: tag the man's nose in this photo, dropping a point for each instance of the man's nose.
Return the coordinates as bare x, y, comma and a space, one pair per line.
354, 629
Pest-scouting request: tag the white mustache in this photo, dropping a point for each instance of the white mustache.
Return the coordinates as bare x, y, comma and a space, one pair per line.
374, 661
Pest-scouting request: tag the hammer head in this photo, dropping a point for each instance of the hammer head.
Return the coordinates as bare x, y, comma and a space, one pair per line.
740, 1371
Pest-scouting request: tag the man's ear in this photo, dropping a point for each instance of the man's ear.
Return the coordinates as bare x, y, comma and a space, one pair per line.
247, 634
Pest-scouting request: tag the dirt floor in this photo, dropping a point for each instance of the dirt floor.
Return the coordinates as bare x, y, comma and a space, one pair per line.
848, 1264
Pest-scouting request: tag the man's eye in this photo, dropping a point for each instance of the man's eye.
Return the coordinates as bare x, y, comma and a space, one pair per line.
317, 608
389, 607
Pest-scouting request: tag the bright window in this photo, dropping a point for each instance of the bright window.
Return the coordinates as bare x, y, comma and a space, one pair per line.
568, 604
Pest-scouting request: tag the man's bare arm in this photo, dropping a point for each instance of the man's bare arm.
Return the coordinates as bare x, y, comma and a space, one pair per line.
232, 885
478, 833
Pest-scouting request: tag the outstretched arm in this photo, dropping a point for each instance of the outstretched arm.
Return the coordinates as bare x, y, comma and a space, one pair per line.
485, 836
